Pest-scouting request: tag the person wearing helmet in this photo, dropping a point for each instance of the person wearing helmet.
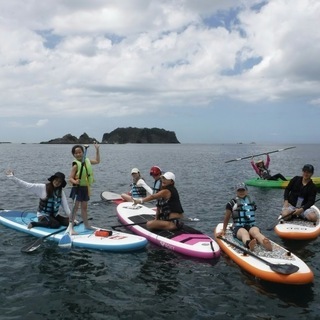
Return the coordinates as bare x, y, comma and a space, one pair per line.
169, 210
242, 210
155, 173
139, 187
300, 196
262, 170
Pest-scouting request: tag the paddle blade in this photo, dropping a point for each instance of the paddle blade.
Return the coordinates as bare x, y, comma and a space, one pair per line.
286, 268
30, 247
65, 242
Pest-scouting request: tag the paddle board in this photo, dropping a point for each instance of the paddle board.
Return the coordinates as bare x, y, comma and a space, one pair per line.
187, 240
298, 229
111, 196
262, 183
260, 269
117, 242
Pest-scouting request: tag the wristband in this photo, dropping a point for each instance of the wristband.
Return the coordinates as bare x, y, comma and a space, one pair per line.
141, 201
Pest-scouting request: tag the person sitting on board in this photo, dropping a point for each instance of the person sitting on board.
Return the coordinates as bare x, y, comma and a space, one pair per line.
80, 192
299, 196
155, 173
52, 197
262, 170
169, 210
139, 187
242, 211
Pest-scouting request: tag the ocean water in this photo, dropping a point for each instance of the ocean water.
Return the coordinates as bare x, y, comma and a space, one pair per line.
153, 283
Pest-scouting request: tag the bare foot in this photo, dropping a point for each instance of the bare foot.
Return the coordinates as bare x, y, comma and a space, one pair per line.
72, 232
30, 225
267, 244
252, 244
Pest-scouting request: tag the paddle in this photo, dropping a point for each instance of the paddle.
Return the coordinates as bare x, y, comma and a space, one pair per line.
66, 241
260, 154
36, 244
283, 268
282, 217
141, 223
279, 218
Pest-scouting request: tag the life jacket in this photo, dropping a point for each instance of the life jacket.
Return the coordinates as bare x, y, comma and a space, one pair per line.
264, 173
171, 205
138, 192
50, 206
157, 186
243, 212
87, 172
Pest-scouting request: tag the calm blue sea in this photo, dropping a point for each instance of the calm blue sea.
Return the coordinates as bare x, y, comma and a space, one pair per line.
153, 283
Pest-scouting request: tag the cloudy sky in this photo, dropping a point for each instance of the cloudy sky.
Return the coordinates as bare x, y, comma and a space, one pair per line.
221, 71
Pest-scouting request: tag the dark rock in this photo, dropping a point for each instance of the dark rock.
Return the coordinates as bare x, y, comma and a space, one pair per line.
70, 139
137, 135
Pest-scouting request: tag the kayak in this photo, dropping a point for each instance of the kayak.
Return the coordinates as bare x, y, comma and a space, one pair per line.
278, 265
258, 182
187, 240
117, 242
111, 196
298, 229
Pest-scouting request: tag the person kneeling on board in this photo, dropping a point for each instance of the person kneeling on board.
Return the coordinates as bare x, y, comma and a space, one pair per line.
242, 211
169, 209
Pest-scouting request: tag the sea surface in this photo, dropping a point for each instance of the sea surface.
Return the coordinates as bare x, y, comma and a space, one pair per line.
153, 283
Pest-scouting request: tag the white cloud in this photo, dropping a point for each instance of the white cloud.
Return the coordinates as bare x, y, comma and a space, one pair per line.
122, 58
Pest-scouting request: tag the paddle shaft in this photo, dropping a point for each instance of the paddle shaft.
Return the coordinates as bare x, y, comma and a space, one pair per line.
279, 268
283, 217
260, 154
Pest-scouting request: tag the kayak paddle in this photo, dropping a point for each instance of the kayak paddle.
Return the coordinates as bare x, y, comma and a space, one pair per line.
283, 268
260, 154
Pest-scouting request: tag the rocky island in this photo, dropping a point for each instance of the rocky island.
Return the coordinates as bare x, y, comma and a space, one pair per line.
121, 136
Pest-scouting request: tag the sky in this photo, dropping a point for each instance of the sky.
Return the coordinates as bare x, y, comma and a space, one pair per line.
222, 71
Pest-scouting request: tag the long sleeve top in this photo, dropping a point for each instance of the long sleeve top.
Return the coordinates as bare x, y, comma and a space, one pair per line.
39, 189
296, 189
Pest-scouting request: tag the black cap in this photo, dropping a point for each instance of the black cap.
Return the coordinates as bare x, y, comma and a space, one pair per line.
61, 176
308, 168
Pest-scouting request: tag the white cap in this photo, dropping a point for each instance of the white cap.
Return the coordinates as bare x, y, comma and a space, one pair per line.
135, 170
169, 176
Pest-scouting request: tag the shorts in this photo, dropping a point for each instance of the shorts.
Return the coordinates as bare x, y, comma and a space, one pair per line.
235, 229
302, 215
81, 193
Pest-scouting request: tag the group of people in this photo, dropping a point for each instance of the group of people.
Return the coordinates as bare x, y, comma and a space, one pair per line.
169, 209
299, 196
52, 195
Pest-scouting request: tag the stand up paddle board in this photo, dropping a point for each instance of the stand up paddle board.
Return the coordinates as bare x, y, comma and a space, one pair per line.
117, 242
278, 265
187, 240
298, 229
111, 196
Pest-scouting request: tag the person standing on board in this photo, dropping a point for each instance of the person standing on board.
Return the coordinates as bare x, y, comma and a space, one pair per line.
242, 210
300, 195
139, 187
262, 170
80, 191
52, 197
169, 210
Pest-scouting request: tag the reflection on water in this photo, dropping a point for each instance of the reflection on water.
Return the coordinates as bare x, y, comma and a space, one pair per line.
153, 283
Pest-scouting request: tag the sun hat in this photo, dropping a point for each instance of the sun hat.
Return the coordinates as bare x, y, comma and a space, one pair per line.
135, 170
240, 186
169, 176
308, 168
60, 176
